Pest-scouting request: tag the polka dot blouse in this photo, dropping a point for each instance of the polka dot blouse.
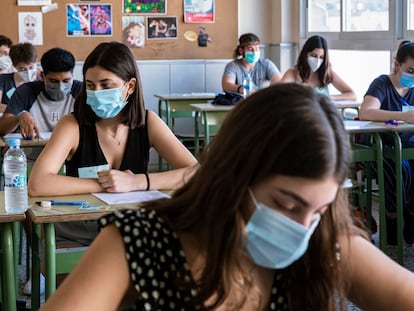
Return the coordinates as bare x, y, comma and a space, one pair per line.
156, 260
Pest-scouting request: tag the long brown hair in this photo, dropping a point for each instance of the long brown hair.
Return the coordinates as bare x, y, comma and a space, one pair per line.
285, 129
117, 58
324, 71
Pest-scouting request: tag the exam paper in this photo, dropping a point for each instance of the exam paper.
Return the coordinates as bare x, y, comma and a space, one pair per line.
351, 124
130, 197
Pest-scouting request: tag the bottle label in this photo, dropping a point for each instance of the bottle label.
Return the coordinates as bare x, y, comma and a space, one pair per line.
15, 181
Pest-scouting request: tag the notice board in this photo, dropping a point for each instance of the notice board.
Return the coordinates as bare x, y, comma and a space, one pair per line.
59, 27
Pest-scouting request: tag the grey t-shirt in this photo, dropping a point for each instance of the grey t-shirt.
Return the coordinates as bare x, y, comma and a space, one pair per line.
262, 72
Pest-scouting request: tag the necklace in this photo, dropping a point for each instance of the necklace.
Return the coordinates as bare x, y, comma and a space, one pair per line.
118, 141
115, 137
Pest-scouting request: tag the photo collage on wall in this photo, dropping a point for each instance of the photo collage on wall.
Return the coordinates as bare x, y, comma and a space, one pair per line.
148, 20
141, 20
88, 20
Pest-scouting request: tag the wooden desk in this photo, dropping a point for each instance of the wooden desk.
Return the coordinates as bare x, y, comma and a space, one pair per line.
47, 219
344, 104
8, 234
212, 117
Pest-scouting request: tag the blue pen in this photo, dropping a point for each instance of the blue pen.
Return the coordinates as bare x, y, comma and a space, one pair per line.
71, 203
404, 102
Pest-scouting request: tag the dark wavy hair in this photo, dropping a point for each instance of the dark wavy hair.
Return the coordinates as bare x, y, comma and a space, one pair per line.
324, 71
115, 57
57, 60
23, 53
285, 129
244, 40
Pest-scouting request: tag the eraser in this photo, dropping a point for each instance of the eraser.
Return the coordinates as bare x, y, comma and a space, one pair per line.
46, 204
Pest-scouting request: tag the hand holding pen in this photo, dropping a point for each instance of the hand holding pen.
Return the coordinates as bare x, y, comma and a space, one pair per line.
407, 111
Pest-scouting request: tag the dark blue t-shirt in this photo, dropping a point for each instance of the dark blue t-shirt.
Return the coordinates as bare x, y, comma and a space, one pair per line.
383, 89
7, 86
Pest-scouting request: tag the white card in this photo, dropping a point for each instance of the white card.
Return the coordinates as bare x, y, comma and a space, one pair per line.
92, 171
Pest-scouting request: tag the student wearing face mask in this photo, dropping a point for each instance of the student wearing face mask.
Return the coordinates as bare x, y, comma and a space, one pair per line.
105, 144
24, 57
248, 62
253, 229
37, 106
391, 97
314, 69
5, 60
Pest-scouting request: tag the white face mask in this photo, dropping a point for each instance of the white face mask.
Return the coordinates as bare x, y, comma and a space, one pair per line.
314, 63
5, 62
27, 75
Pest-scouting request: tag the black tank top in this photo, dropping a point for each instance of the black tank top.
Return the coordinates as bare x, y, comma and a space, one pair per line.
89, 152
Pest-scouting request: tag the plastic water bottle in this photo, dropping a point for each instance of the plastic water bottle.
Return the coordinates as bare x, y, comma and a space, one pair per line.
15, 178
247, 85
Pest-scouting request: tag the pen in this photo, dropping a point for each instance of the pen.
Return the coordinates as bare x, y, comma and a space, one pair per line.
404, 102
72, 203
393, 122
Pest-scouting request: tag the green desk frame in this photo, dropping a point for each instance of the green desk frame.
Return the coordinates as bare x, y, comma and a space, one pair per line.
398, 154
175, 106
373, 153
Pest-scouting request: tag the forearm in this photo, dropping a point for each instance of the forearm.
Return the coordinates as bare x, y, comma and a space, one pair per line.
232, 87
9, 124
379, 115
170, 180
52, 184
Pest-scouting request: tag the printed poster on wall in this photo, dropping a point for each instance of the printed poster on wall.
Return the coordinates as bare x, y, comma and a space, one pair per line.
199, 11
162, 27
145, 6
133, 31
78, 20
84, 20
31, 27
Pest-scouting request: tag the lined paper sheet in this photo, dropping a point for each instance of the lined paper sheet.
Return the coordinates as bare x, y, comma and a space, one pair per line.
130, 197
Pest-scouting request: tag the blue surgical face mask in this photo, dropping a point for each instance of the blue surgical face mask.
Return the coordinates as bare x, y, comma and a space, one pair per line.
407, 80
275, 241
58, 91
252, 57
106, 103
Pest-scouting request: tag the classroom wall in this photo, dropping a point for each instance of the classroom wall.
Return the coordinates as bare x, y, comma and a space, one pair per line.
223, 32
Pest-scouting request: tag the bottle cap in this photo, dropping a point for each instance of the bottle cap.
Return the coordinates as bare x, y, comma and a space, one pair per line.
13, 142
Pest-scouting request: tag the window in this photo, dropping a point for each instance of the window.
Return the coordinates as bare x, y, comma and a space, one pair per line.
362, 35
354, 15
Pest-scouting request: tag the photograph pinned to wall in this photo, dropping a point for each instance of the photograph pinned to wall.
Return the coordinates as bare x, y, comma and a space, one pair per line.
31, 27
203, 38
77, 20
162, 27
145, 6
33, 2
133, 31
101, 19
199, 11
